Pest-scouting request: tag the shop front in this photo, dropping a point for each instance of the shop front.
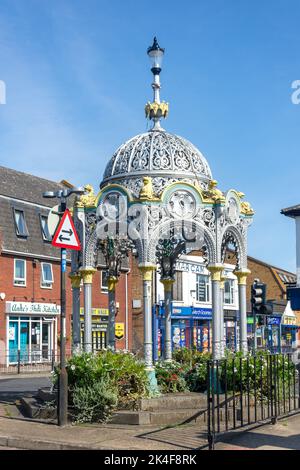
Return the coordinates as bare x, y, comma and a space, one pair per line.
99, 328
31, 331
272, 333
190, 328
289, 330
231, 329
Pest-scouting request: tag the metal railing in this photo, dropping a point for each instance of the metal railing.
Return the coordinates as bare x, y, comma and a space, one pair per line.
244, 391
25, 361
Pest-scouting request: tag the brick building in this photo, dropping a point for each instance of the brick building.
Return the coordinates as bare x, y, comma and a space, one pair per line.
30, 277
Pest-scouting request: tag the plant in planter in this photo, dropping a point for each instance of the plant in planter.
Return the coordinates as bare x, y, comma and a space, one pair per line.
99, 383
170, 377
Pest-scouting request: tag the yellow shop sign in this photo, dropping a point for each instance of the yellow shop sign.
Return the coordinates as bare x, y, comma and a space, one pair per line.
119, 330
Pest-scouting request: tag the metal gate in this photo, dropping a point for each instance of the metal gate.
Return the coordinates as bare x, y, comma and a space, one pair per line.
244, 391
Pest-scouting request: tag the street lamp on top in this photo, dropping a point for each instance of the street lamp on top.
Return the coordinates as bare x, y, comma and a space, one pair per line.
155, 54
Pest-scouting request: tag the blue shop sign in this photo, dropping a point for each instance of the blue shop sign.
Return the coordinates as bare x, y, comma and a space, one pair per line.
203, 313
181, 310
273, 320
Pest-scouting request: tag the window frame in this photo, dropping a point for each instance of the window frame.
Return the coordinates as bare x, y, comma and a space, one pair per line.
231, 292
26, 233
46, 284
45, 239
16, 283
207, 288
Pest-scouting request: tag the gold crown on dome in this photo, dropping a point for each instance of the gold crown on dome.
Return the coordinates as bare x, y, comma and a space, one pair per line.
156, 110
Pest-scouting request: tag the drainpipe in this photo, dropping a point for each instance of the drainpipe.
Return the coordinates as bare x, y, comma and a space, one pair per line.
126, 312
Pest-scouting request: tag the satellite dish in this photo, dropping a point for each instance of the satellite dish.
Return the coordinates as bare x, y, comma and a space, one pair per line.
53, 219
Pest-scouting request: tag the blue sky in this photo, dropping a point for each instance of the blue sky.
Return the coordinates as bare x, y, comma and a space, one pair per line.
77, 79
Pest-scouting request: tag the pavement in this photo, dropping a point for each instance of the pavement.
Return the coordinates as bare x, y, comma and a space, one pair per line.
17, 432
284, 435
25, 434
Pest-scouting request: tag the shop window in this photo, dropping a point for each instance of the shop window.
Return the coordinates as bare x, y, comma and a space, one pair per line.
19, 272
104, 281
202, 288
229, 291
46, 275
20, 224
44, 227
177, 286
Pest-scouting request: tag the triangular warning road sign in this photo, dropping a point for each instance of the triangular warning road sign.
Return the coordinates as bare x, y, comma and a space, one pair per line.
66, 235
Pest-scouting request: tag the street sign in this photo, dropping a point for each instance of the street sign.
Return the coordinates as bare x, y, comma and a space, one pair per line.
53, 219
66, 235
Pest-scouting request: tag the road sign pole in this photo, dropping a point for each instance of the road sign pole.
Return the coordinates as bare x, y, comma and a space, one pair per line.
63, 376
65, 238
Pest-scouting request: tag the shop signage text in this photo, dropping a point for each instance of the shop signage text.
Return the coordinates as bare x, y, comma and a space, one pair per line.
32, 307
97, 311
189, 267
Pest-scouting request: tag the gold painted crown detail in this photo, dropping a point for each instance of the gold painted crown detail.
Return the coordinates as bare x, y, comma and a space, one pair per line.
156, 110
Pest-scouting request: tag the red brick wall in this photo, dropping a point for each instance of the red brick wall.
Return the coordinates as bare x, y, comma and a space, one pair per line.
32, 292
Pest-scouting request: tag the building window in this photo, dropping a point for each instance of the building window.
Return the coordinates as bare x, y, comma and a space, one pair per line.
104, 281
21, 229
45, 230
20, 272
202, 288
46, 275
229, 291
177, 286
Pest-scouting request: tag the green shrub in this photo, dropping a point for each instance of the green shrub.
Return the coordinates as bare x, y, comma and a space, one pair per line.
196, 378
122, 373
243, 373
94, 403
170, 377
190, 357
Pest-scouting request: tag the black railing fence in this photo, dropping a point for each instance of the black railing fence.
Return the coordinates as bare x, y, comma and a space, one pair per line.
26, 361
243, 391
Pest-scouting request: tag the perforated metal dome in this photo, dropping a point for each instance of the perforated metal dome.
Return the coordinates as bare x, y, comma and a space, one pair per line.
160, 155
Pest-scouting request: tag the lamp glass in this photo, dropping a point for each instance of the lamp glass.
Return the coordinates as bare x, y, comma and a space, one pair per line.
156, 57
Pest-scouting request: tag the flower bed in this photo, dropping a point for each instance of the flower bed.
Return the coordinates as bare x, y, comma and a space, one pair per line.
100, 383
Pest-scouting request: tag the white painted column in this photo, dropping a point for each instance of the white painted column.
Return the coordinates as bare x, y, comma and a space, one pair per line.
216, 271
87, 275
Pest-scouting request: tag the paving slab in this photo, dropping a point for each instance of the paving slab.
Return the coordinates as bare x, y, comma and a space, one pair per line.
284, 435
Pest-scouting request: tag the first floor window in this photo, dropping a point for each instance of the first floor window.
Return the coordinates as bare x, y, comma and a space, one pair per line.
202, 288
46, 275
177, 286
20, 272
229, 291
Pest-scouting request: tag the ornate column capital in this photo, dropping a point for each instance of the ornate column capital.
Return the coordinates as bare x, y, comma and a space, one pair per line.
216, 271
168, 283
242, 276
112, 282
87, 274
75, 280
147, 270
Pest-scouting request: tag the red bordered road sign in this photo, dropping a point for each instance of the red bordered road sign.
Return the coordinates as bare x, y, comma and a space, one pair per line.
66, 235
